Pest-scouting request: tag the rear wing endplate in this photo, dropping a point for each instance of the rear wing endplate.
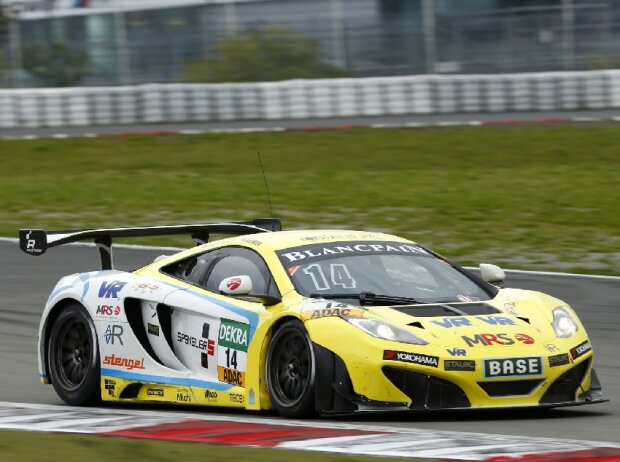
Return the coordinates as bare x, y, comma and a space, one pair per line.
37, 241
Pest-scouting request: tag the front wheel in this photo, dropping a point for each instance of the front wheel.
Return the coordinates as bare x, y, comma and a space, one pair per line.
73, 357
290, 371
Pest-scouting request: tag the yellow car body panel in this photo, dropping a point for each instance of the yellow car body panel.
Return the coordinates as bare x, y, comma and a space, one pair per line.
529, 316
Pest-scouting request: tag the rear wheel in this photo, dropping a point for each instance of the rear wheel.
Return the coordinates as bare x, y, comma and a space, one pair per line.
290, 371
73, 357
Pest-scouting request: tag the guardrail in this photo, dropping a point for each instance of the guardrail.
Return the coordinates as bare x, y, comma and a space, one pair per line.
300, 99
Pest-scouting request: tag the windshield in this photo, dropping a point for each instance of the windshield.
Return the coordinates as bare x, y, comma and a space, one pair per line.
380, 269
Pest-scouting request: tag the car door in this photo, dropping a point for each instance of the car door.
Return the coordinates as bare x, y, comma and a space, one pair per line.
209, 332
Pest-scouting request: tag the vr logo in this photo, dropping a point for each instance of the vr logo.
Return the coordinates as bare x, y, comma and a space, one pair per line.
110, 289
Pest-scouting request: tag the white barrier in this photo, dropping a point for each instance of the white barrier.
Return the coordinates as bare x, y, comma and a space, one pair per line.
300, 99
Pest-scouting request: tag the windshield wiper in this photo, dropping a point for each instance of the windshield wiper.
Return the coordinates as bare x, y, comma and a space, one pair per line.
370, 298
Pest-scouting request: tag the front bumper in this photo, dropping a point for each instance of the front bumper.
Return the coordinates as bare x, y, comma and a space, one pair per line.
378, 383
428, 392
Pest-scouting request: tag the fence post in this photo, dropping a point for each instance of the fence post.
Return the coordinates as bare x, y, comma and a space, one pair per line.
568, 34
230, 17
15, 45
338, 45
430, 43
122, 48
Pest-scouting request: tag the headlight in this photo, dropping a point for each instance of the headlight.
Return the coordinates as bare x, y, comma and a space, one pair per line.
563, 324
384, 331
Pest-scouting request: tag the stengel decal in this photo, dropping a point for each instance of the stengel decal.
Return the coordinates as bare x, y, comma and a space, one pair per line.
128, 364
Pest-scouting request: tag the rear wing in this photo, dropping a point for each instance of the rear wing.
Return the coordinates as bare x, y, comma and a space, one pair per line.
37, 241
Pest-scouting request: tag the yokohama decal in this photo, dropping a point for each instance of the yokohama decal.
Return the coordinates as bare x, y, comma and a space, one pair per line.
414, 358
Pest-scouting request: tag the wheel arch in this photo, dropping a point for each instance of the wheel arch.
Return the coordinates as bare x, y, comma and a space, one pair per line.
51, 317
333, 389
265, 400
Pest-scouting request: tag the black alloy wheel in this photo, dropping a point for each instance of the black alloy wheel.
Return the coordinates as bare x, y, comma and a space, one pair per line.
290, 371
73, 357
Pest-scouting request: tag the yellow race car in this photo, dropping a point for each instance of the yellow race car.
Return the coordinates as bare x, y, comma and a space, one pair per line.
305, 322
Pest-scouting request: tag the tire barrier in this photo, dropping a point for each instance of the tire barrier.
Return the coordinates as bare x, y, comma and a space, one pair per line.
302, 99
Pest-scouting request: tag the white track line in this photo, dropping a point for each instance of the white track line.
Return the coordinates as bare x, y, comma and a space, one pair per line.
378, 440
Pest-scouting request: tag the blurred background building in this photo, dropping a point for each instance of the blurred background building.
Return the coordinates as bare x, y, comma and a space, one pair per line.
120, 42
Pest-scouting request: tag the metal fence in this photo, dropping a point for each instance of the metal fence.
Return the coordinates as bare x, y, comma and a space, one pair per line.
363, 37
300, 99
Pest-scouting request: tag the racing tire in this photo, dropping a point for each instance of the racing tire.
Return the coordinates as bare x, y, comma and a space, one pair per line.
73, 357
290, 371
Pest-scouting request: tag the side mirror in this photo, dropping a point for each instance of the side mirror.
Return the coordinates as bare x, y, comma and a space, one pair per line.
242, 285
236, 285
492, 274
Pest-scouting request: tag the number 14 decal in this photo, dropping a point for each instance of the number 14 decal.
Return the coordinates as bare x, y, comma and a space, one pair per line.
339, 275
231, 359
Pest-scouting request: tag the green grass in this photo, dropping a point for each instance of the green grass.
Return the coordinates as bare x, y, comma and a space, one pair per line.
43, 447
526, 197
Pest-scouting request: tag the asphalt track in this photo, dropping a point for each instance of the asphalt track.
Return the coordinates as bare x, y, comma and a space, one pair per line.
27, 281
412, 120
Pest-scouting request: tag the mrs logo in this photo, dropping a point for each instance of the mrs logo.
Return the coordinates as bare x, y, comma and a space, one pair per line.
110, 289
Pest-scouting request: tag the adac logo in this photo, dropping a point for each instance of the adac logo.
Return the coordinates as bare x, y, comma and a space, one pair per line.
331, 312
233, 283
231, 376
110, 289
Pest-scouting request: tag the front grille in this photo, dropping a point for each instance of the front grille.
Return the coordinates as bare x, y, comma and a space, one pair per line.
564, 389
510, 387
427, 391
444, 309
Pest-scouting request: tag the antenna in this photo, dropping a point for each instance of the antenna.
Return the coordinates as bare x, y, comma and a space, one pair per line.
266, 186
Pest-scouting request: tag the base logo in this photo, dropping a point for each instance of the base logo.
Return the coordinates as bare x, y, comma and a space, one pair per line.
231, 376
513, 367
